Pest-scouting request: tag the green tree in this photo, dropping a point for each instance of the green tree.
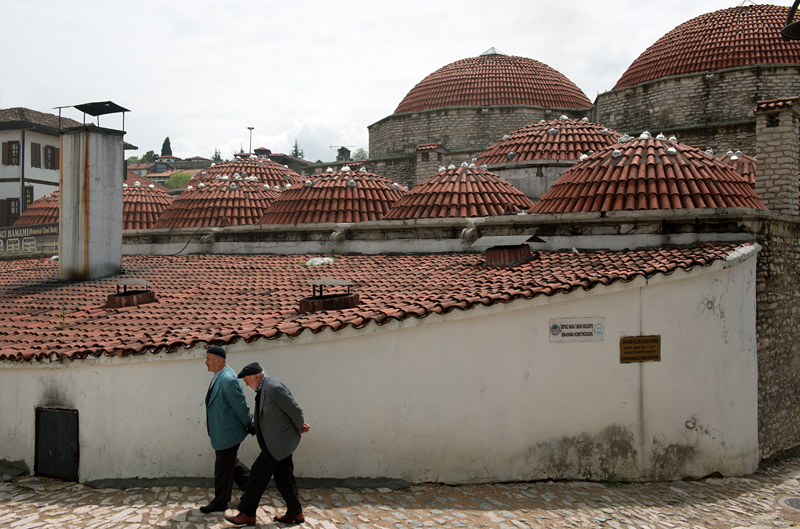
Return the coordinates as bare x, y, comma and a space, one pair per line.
297, 151
166, 148
148, 157
178, 180
217, 156
132, 160
359, 154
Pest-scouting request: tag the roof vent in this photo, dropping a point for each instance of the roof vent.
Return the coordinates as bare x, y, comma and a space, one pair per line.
505, 137
362, 170
605, 132
673, 139
661, 136
738, 152
319, 301
451, 167
507, 251
584, 119
484, 167
346, 168
511, 155
131, 298
137, 184
464, 164
563, 117
617, 153
710, 152
552, 131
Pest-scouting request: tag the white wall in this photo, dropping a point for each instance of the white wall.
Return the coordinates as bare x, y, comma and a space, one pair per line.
481, 395
535, 180
43, 180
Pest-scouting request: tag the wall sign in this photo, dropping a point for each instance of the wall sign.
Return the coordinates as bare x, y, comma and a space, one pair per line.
23, 241
639, 349
577, 329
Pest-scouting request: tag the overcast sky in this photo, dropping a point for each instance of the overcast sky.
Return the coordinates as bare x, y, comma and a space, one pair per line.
202, 71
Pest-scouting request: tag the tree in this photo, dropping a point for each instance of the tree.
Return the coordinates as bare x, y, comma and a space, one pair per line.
297, 151
148, 157
132, 160
166, 148
217, 156
360, 154
178, 180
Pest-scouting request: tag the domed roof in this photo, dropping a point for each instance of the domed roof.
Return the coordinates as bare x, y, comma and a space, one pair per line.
142, 205
494, 78
218, 203
466, 191
557, 139
648, 173
338, 196
131, 178
267, 172
742, 164
737, 36
43, 210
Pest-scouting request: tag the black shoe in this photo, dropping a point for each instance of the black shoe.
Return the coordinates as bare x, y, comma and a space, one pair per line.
213, 508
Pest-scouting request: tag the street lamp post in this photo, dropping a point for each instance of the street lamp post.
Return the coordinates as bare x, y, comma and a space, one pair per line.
250, 151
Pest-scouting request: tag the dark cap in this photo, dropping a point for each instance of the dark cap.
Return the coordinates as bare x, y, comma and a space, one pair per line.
217, 350
250, 369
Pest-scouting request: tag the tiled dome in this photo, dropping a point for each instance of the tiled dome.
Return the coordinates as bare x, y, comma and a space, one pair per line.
131, 178
648, 173
218, 203
267, 172
460, 192
142, 205
338, 196
743, 164
494, 79
43, 210
737, 36
558, 139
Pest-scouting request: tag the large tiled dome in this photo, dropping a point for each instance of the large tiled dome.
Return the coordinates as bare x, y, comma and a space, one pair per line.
494, 78
336, 196
267, 172
648, 173
557, 139
466, 191
737, 36
142, 205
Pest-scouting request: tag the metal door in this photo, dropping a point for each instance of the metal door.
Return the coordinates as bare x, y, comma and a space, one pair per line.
57, 450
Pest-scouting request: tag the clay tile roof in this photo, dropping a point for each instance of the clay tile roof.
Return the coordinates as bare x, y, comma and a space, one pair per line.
218, 203
43, 210
646, 176
460, 192
32, 117
573, 138
267, 172
222, 299
742, 164
737, 36
338, 196
494, 79
775, 104
142, 205
131, 178
428, 147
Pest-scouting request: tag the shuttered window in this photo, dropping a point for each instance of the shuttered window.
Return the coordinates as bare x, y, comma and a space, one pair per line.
51, 157
10, 153
36, 155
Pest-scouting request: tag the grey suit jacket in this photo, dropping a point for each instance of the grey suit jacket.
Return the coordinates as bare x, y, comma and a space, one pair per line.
279, 420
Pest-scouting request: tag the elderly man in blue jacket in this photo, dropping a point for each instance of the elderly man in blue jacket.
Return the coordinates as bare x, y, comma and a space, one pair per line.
279, 424
228, 420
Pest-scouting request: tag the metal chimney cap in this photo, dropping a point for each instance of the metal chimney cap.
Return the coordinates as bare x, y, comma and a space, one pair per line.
329, 281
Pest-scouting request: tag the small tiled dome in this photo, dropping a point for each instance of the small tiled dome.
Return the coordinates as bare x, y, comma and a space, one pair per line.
557, 139
460, 192
267, 172
338, 196
142, 205
43, 210
648, 173
743, 164
218, 203
738, 36
491, 79
131, 178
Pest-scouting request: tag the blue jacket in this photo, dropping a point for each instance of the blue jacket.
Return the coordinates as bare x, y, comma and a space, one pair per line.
227, 412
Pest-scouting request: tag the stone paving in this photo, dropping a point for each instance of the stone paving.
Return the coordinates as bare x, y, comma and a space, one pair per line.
768, 498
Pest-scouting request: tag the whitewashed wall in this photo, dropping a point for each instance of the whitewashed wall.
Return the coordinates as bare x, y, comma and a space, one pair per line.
470, 396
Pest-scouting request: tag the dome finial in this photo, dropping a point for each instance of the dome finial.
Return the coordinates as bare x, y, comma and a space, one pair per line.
493, 51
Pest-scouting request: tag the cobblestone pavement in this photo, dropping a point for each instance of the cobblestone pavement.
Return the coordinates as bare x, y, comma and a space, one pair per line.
769, 498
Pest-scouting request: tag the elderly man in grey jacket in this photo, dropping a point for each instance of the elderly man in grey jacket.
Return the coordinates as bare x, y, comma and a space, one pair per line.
279, 424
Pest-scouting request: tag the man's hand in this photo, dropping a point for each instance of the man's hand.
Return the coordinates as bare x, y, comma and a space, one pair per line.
251, 429
306, 428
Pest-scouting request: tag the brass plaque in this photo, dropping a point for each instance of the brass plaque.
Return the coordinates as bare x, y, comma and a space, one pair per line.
639, 349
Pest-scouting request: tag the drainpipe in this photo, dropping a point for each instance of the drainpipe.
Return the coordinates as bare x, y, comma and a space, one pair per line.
22, 173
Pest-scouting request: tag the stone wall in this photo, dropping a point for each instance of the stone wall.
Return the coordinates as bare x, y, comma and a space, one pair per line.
456, 128
713, 109
778, 139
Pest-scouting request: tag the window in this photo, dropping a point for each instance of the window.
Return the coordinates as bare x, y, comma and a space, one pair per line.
10, 153
36, 155
13, 206
51, 155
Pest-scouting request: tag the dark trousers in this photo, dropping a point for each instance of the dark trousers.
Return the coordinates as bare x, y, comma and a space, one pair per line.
227, 469
264, 467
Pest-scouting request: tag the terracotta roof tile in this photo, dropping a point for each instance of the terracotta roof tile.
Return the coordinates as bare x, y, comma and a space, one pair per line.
775, 104
428, 147
131, 178
460, 192
205, 299
737, 36
142, 205
742, 164
494, 79
218, 203
645, 174
43, 210
338, 196
267, 172
557, 139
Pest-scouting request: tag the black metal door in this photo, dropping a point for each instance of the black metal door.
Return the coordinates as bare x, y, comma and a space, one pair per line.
57, 450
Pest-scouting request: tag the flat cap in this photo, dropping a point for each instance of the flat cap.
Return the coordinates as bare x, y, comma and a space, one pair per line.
217, 350
250, 369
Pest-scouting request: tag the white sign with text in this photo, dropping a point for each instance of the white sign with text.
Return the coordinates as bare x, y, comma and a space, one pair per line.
577, 329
